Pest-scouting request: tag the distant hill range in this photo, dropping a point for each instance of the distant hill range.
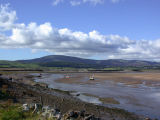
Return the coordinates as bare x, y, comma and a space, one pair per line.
75, 62
61, 61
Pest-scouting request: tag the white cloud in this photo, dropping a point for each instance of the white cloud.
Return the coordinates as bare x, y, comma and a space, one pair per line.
75, 3
56, 2
75, 43
78, 2
115, 1
7, 17
95, 2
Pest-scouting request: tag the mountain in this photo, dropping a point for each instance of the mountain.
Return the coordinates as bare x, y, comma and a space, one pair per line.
58, 58
68, 61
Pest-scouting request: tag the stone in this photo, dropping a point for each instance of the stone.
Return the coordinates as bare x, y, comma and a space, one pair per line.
147, 119
82, 113
25, 107
90, 117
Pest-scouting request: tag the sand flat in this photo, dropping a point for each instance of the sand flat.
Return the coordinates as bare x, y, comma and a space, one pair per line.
150, 78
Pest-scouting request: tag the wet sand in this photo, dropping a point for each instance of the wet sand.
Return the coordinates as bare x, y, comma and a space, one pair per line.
150, 78
24, 92
137, 92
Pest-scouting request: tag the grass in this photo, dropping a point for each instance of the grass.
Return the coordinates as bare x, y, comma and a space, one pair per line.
8, 112
12, 64
63, 66
14, 112
113, 69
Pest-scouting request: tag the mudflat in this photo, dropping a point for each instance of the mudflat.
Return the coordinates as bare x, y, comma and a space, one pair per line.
24, 91
138, 93
150, 78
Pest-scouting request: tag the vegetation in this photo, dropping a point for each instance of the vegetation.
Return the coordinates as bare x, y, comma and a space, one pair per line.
4, 96
12, 64
10, 113
15, 112
66, 62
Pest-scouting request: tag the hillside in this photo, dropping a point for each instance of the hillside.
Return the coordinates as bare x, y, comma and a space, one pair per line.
67, 61
74, 62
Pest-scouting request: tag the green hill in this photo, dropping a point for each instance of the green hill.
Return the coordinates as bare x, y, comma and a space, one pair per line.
74, 62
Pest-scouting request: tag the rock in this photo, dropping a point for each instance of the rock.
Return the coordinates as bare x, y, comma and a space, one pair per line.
35, 108
90, 117
73, 114
10, 79
58, 116
82, 113
78, 94
25, 107
57, 110
45, 108
55, 113
50, 113
147, 119
31, 106
45, 111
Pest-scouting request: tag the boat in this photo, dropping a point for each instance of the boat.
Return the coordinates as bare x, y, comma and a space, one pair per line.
91, 77
67, 76
40, 75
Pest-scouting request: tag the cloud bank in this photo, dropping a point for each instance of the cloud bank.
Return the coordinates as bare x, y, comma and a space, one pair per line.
75, 43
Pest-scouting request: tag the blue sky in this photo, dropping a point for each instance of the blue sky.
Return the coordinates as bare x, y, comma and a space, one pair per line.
98, 29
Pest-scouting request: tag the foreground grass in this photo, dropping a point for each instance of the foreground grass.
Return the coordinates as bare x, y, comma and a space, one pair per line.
14, 112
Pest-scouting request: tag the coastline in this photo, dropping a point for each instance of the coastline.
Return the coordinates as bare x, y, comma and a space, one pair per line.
27, 92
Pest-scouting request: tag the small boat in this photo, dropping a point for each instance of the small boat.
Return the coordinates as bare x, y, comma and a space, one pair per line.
40, 75
67, 76
91, 77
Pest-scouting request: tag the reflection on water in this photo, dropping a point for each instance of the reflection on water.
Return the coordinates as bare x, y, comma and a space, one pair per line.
141, 99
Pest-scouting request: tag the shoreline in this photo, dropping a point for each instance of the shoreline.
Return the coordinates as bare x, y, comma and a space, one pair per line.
63, 101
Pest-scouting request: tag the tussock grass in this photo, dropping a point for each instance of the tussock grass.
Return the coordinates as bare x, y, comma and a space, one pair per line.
15, 112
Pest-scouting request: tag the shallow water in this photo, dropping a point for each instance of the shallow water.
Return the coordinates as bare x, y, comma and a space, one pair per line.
142, 100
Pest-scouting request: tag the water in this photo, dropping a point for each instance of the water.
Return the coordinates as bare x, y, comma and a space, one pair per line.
142, 100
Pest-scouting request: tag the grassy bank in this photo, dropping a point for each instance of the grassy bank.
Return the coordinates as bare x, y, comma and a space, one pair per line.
15, 112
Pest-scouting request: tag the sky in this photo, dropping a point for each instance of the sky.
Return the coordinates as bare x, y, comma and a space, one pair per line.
94, 29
